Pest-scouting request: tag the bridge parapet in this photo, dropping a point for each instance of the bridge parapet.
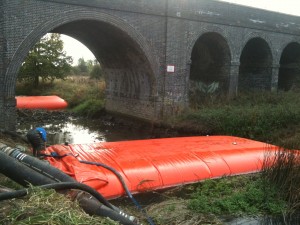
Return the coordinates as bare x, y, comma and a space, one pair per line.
153, 7
223, 13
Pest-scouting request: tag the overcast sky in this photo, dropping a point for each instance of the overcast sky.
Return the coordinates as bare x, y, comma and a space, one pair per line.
78, 50
284, 6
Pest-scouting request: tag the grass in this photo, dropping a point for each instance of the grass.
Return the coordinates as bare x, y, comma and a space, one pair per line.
283, 173
268, 117
241, 195
46, 207
84, 95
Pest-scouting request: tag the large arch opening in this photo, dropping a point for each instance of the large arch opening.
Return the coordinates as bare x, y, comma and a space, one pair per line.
128, 61
209, 74
128, 73
255, 66
289, 71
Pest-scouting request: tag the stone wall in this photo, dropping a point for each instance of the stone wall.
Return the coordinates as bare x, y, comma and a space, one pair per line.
137, 40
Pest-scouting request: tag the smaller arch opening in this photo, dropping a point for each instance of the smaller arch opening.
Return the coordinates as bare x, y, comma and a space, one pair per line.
209, 74
255, 66
289, 71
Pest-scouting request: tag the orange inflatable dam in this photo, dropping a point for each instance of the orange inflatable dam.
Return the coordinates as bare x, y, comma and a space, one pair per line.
159, 163
41, 102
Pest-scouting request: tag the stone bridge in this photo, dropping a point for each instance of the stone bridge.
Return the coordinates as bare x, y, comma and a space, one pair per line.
159, 56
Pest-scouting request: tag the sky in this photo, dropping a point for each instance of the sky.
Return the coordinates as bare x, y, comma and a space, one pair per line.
77, 50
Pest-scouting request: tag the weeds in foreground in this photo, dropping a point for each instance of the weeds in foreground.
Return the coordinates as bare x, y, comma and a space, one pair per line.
283, 172
241, 195
46, 207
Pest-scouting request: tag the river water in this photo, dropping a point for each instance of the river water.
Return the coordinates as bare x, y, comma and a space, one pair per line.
85, 131
79, 131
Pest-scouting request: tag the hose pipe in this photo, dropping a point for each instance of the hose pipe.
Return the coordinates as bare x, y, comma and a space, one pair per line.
25, 170
90, 206
20, 173
36, 164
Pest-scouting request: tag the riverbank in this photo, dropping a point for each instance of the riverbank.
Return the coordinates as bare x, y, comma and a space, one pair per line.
209, 201
269, 117
272, 117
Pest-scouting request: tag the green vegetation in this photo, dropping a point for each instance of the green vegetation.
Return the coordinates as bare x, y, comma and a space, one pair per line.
46, 207
90, 108
269, 117
90, 68
242, 195
85, 96
47, 69
46, 60
284, 175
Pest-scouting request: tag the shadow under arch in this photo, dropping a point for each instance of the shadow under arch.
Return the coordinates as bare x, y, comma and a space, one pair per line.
210, 68
147, 58
256, 61
289, 70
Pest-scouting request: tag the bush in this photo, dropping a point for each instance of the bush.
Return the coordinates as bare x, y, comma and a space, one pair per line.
90, 108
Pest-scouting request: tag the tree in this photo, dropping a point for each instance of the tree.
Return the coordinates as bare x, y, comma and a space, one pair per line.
90, 64
82, 65
96, 71
46, 60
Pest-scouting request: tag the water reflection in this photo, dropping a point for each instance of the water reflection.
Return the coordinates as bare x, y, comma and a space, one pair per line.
76, 134
82, 131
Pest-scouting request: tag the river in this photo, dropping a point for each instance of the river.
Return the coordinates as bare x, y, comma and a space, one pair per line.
74, 130
69, 129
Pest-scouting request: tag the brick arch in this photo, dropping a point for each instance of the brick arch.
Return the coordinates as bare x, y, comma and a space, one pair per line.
209, 29
210, 67
72, 16
256, 63
252, 35
288, 77
283, 44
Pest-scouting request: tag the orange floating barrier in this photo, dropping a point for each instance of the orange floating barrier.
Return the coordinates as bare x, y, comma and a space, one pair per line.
159, 163
52, 102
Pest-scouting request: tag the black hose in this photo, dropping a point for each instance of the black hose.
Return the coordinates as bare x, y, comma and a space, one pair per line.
88, 204
149, 219
55, 174
31, 170
92, 208
45, 171
5, 189
60, 186
20, 173
13, 194
41, 167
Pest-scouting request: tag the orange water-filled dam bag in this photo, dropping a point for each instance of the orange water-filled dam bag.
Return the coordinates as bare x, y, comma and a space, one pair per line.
159, 163
52, 102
